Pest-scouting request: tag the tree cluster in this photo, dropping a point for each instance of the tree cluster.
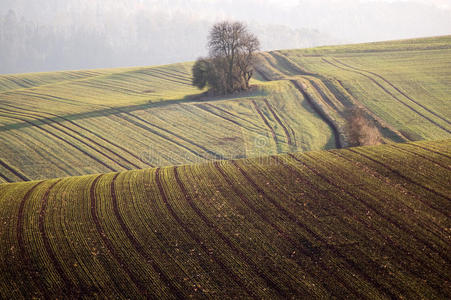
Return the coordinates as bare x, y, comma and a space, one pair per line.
229, 66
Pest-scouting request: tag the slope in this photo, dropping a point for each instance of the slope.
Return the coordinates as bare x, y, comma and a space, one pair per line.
403, 85
86, 122
368, 222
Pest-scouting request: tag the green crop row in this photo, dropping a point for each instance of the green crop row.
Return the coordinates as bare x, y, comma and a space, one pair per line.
361, 222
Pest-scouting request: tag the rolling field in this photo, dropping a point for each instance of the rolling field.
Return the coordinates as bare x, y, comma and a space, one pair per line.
404, 83
367, 222
94, 121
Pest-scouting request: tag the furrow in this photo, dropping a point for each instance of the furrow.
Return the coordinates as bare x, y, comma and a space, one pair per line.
171, 75
5, 178
14, 171
67, 142
237, 251
276, 117
88, 130
193, 235
306, 246
29, 268
139, 247
360, 165
273, 133
420, 155
391, 94
109, 245
400, 247
401, 175
174, 134
166, 79
203, 107
430, 150
320, 113
306, 182
162, 136
68, 286
52, 125
370, 206
304, 227
396, 88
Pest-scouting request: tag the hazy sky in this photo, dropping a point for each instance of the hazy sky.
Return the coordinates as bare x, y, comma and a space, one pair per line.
67, 34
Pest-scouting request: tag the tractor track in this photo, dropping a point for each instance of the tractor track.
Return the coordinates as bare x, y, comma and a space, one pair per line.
323, 116
390, 93
396, 88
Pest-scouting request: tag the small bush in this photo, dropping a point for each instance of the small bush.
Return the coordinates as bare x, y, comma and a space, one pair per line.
360, 130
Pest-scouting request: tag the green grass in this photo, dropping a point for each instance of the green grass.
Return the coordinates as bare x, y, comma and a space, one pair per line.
367, 222
83, 122
405, 83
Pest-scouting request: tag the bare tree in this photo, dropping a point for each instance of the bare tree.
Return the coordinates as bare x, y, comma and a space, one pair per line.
231, 58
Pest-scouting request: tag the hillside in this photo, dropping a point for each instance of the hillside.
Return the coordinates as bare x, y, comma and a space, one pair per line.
368, 222
94, 121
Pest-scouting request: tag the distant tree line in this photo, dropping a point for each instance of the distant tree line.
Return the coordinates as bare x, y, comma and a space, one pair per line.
230, 64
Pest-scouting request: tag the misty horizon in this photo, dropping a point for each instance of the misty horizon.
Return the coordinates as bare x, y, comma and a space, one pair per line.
49, 35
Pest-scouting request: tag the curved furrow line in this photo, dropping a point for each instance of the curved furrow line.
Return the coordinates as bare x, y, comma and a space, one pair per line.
262, 74
232, 115
306, 246
204, 108
377, 119
109, 245
431, 150
165, 78
391, 94
223, 237
401, 175
422, 156
30, 270
304, 227
68, 286
83, 128
396, 88
214, 154
295, 67
183, 73
273, 133
276, 117
370, 206
109, 142
67, 142
5, 178
48, 97
320, 113
196, 237
162, 136
111, 85
322, 94
14, 171
361, 221
92, 147
139, 247
359, 164
172, 75
274, 65
86, 144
